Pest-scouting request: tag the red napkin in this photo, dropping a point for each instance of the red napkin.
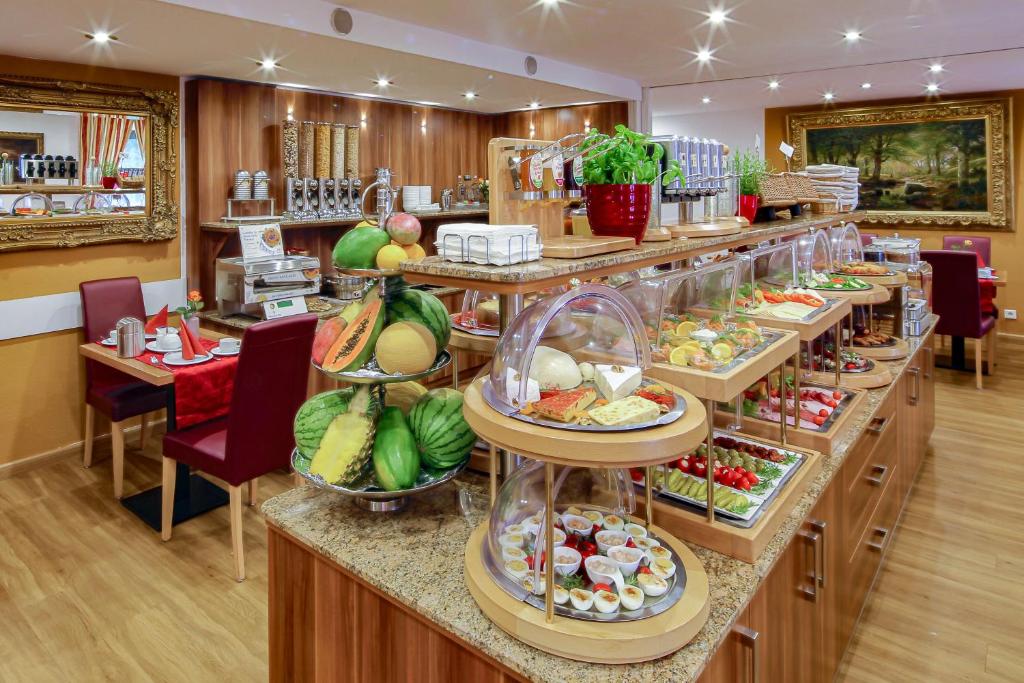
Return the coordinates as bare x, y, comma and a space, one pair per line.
187, 350
158, 320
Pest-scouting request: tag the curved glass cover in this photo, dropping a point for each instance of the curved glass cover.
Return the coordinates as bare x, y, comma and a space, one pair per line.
846, 244
813, 253
479, 310
767, 268
544, 345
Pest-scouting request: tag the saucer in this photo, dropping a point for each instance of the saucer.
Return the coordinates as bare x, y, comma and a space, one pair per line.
151, 346
174, 358
108, 342
217, 352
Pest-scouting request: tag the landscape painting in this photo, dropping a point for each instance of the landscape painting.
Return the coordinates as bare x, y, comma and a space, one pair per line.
931, 164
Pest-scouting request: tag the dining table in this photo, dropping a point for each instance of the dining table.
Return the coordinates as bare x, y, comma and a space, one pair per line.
193, 495
958, 353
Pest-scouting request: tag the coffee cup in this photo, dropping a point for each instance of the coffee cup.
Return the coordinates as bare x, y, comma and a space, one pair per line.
229, 345
169, 341
112, 335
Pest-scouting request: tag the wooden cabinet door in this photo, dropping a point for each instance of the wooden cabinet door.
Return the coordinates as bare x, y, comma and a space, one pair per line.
738, 660
825, 520
927, 402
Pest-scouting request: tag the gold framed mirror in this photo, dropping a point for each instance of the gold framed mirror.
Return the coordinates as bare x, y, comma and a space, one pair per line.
86, 163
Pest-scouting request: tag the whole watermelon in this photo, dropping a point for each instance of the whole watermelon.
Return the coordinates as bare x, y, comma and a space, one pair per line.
442, 434
315, 414
396, 461
415, 306
358, 247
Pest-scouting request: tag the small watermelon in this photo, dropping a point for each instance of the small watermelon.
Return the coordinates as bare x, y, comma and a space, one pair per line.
415, 306
316, 414
442, 434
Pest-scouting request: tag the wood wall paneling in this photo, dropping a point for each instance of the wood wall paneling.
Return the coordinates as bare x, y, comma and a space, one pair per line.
552, 124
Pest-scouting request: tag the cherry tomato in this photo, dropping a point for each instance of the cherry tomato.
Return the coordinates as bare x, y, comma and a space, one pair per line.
743, 484
630, 543
644, 570
752, 478
837, 395
602, 587
823, 413
636, 475
819, 420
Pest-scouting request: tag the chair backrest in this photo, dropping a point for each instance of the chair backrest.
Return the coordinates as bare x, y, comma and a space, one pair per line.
866, 237
956, 295
979, 245
104, 302
270, 385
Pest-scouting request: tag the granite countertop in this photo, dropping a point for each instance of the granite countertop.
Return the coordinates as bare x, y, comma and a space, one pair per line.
231, 226
433, 268
395, 558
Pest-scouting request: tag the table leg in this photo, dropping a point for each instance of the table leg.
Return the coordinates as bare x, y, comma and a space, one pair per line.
957, 355
193, 495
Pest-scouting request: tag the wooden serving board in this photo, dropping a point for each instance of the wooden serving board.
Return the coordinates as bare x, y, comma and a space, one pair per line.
901, 349
809, 329
717, 228
580, 246
745, 545
876, 295
878, 376
657, 235
801, 438
897, 279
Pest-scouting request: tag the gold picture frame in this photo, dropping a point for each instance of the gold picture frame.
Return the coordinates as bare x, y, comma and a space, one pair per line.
914, 204
162, 218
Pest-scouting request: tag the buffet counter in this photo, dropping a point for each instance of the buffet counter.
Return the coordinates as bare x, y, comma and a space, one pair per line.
340, 576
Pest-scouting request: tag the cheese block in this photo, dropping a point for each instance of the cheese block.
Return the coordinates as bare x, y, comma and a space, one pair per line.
626, 411
617, 381
512, 387
564, 405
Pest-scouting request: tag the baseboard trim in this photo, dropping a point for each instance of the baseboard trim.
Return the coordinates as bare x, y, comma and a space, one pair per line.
32, 462
1011, 335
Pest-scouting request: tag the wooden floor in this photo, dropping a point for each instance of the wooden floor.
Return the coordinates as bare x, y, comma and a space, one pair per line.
89, 593
948, 604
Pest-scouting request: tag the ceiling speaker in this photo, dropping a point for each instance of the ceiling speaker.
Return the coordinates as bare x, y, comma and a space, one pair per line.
341, 21
530, 64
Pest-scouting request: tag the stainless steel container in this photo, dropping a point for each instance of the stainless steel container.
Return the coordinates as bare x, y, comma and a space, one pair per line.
916, 317
344, 287
131, 337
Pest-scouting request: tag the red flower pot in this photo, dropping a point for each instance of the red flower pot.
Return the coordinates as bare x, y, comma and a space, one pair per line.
748, 206
109, 182
619, 210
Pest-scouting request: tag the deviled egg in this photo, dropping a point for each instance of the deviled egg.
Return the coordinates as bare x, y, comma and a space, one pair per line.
595, 517
559, 537
607, 539
539, 588
510, 552
515, 529
652, 585
635, 530
645, 544
631, 597
581, 599
659, 552
614, 522
663, 568
606, 602
514, 540
561, 595
573, 510
517, 569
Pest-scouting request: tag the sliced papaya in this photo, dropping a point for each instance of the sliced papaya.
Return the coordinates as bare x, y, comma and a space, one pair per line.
326, 336
354, 346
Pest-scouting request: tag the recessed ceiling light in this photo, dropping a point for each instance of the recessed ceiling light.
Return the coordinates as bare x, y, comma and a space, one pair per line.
829, 96
268, 63
717, 16
534, 105
705, 100
932, 87
383, 82
773, 84
936, 68
866, 86
550, 2
100, 37
469, 95
704, 55
852, 36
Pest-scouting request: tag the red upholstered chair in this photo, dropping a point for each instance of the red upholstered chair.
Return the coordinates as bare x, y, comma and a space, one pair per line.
866, 237
955, 300
109, 391
255, 437
982, 246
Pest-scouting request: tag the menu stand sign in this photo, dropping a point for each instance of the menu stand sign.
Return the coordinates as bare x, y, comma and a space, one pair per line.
264, 242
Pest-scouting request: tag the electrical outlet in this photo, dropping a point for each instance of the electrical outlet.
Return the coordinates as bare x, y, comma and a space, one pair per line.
1010, 313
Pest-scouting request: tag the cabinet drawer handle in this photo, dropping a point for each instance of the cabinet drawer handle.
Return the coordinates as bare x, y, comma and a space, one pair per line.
820, 526
880, 471
877, 425
880, 545
916, 374
811, 590
751, 638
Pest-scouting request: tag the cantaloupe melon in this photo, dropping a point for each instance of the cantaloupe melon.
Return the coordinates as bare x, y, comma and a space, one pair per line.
405, 348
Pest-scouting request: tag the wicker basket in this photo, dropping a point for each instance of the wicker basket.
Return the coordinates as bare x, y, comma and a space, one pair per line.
825, 206
802, 187
133, 182
775, 191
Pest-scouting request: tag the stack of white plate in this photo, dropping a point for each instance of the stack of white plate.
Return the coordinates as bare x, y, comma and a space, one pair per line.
839, 182
260, 185
415, 197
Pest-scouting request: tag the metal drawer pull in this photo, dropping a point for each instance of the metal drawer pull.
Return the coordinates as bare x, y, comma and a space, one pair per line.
877, 425
881, 471
819, 526
880, 546
811, 591
916, 373
751, 638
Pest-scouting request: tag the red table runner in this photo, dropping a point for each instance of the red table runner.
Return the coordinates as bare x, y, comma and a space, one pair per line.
203, 391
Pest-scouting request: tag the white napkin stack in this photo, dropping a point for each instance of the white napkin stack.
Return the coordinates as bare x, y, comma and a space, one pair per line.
836, 182
498, 245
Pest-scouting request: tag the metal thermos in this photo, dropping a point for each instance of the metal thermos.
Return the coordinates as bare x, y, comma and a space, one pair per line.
131, 337
446, 199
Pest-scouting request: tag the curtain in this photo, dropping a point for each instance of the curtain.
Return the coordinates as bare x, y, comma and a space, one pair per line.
103, 138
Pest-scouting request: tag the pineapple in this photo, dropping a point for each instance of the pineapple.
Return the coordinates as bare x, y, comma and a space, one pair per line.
347, 444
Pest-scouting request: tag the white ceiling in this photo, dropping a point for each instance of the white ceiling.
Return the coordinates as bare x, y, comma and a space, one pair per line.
167, 38
655, 41
964, 74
